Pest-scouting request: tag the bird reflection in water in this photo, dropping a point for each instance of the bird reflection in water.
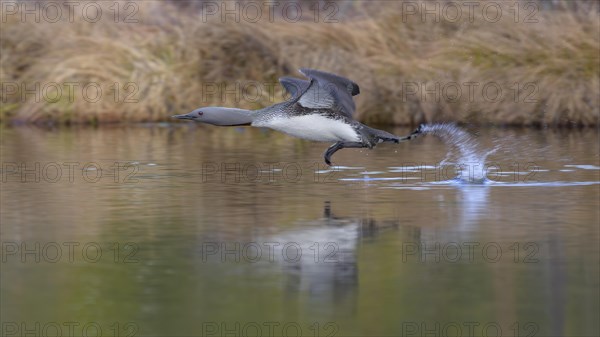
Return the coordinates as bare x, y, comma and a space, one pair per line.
327, 270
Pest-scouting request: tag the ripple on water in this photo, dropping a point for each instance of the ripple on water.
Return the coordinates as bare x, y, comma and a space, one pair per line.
464, 148
585, 167
486, 183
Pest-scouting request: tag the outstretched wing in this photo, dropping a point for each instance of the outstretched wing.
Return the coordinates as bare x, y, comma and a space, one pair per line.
329, 91
294, 86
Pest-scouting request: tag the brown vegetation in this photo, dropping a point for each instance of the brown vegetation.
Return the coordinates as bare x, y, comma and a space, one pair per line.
411, 68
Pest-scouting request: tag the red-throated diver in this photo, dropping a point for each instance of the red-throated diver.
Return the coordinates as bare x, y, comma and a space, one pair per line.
320, 109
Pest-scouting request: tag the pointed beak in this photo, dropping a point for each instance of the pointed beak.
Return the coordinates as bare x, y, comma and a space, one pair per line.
184, 116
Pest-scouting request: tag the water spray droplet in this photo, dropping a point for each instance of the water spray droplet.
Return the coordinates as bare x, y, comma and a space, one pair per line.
469, 158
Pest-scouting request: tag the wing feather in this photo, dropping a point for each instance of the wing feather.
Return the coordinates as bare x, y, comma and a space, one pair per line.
329, 91
294, 86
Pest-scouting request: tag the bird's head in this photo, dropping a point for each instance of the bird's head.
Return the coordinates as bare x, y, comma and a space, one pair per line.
198, 115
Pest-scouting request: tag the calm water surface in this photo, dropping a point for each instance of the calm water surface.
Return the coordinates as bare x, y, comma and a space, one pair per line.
180, 231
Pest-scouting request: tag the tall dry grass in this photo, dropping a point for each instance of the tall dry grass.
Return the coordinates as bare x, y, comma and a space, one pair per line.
548, 70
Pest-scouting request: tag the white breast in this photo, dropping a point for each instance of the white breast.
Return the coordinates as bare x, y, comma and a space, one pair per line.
312, 127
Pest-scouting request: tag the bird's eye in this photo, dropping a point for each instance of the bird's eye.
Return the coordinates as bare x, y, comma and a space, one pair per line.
200, 113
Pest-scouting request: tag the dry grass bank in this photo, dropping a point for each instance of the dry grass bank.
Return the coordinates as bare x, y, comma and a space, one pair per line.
411, 68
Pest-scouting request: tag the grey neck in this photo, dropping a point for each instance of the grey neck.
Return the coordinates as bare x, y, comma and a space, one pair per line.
228, 116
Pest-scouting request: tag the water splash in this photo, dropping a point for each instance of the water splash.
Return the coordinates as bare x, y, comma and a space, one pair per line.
466, 153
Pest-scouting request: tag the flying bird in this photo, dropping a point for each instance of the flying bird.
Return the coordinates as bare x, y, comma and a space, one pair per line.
319, 109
